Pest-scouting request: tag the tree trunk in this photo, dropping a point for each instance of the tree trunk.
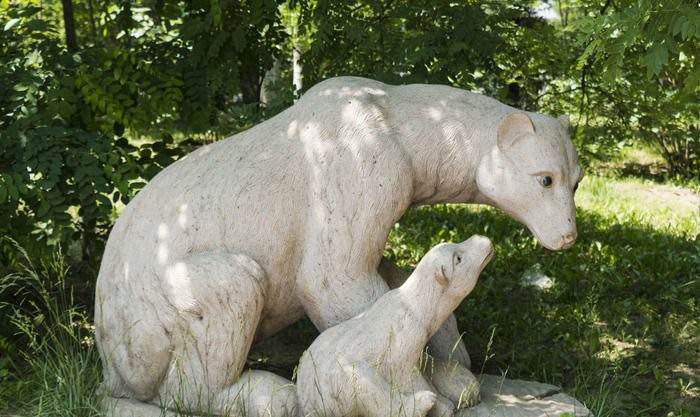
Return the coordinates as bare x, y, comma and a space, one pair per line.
267, 93
69, 23
296, 71
93, 28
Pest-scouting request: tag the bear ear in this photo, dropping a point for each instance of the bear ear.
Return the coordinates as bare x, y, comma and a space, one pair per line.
512, 127
565, 120
441, 277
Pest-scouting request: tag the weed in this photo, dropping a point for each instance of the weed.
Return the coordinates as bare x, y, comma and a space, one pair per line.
59, 375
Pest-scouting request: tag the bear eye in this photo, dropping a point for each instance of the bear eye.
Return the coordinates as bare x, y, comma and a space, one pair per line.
546, 181
575, 188
458, 259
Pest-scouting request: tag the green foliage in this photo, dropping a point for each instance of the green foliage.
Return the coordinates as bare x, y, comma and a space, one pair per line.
230, 45
63, 165
64, 160
404, 41
642, 77
641, 33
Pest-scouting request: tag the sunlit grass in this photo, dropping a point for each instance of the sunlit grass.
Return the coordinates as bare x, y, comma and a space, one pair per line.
665, 208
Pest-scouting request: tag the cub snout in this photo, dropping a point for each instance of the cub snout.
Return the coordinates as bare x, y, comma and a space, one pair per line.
479, 249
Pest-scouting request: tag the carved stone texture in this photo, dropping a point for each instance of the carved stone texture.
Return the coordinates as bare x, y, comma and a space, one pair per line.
244, 236
368, 365
502, 397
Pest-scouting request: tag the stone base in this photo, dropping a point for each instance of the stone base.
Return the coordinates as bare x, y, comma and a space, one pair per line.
125, 407
502, 397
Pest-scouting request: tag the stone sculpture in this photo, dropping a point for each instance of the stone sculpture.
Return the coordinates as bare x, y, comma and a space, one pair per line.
244, 236
368, 365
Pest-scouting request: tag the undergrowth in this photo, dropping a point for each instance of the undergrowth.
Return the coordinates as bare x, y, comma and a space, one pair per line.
51, 367
618, 329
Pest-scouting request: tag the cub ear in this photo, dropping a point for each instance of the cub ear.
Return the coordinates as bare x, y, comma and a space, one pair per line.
512, 127
441, 277
565, 121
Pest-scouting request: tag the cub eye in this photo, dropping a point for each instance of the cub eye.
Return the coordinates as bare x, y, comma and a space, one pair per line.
458, 259
546, 181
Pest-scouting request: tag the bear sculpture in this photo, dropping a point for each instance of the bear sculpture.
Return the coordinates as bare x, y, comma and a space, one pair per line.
244, 236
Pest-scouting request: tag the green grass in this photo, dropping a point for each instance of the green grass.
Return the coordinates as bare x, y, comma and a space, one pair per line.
619, 329
56, 373
642, 162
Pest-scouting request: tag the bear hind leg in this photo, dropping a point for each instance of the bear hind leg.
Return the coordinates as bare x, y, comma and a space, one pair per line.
219, 299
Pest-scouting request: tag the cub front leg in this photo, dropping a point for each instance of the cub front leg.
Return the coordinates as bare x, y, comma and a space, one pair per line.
443, 406
454, 381
447, 343
449, 369
372, 395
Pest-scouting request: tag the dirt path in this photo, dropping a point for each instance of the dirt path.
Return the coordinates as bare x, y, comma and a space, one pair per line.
671, 193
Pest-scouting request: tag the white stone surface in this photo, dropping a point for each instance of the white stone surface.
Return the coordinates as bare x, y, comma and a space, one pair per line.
243, 236
369, 365
502, 397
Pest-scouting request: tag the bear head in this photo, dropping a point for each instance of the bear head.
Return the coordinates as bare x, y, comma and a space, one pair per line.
531, 173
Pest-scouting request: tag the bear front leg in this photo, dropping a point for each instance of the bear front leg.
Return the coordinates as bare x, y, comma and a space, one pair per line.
338, 277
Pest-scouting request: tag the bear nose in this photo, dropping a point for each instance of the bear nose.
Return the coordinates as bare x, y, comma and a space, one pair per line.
568, 239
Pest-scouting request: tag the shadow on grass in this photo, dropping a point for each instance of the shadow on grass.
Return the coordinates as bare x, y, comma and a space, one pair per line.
656, 172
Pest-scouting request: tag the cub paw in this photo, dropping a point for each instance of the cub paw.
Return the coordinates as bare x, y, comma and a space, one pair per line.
423, 401
456, 383
442, 408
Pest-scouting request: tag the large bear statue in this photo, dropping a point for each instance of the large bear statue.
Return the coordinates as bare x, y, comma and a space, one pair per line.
242, 237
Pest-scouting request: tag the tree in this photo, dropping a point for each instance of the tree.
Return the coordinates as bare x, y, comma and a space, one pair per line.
645, 83
69, 25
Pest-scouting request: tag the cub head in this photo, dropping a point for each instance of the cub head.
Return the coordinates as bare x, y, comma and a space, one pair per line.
456, 266
531, 173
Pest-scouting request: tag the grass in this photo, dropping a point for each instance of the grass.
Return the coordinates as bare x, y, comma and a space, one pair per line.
618, 329
642, 162
58, 374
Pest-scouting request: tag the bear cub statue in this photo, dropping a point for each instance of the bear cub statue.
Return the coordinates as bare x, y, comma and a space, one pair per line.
368, 366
